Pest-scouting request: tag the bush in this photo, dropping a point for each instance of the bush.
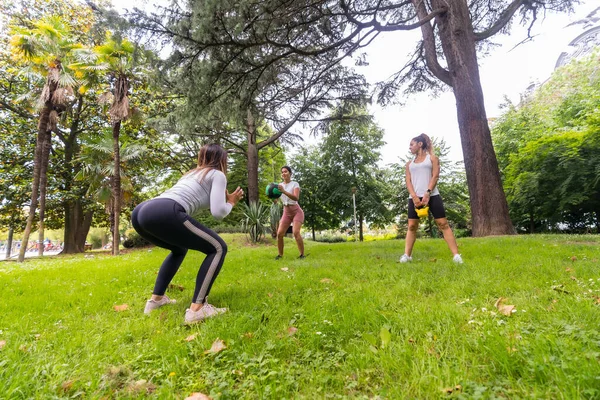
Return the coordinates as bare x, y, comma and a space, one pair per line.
135, 240
331, 239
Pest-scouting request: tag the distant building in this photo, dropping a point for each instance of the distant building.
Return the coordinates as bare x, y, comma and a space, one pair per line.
585, 43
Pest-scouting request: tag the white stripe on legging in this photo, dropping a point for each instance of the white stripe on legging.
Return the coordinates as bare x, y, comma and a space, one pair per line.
211, 270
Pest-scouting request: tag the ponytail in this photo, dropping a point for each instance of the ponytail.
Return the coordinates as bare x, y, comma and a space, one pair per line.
427, 143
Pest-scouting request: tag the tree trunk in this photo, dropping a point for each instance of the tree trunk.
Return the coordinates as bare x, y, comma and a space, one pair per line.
73, 206
43, 188
116, 187
531, 223
9, 242
488, 202
252, 157
360, 228
37, 162
77, 226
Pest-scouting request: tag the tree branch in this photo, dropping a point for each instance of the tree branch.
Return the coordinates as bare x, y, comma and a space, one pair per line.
500, 22
429, 44
20, 113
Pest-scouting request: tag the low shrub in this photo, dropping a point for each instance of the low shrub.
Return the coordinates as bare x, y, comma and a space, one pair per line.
135, 240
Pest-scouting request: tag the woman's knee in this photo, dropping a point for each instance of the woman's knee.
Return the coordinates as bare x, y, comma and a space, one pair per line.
443, 225
413, 227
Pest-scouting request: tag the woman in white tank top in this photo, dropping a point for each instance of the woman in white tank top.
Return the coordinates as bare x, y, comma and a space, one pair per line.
422, 175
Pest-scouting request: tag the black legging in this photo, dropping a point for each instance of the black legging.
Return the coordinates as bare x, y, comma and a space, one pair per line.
165, 223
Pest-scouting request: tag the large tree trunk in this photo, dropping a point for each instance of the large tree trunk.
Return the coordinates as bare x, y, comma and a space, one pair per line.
77, 226
252, 157
116, 187
360, 228
488, 203
43, 189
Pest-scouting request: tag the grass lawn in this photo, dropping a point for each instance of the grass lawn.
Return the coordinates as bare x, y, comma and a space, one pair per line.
349, 321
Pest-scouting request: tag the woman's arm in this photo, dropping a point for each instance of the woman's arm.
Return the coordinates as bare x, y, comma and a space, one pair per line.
411, 189
435, 175
292, 196
219, 207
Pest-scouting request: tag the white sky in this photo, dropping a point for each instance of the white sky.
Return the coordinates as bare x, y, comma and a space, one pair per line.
506, 72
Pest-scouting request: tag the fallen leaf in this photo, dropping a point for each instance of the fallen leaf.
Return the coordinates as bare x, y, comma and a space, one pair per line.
163, 316
37, 336
198, 396
326, 280
433, 260
569, 269
573, 258
270, 294
285, 269
178, 287
506, 309
120, 308
2, 344
248, 335
142, 386
573, 278
66, 386
511, 349
191, 337
597, 302
292, 330
217, 346
23, 348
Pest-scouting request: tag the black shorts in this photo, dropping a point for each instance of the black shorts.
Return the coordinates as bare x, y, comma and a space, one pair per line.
436, 207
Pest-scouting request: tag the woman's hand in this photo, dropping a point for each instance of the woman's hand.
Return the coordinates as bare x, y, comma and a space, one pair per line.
233, 198
425, 199
281, 188
416, 201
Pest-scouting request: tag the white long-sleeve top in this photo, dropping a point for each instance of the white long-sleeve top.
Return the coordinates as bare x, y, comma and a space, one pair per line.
195, 192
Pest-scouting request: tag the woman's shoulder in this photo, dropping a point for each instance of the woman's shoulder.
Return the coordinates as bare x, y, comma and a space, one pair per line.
433, 157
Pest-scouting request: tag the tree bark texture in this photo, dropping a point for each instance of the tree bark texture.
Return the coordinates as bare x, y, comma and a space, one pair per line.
488, 202
116, 187
77, 226
252, 159
37, 162
9, 242
43, 189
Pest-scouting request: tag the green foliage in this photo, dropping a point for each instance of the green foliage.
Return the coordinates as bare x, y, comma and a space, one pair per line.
253, 225
363, 324
134, 240
548, 147
275, 213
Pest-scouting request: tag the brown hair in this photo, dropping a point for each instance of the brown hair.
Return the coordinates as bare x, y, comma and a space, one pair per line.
427, 144
211, 156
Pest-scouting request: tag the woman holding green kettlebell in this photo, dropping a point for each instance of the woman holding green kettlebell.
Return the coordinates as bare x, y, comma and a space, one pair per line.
422, 174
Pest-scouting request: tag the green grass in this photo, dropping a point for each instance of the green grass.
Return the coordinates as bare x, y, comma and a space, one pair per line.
367, 326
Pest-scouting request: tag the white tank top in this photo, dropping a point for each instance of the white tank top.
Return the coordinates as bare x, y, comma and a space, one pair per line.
420, 176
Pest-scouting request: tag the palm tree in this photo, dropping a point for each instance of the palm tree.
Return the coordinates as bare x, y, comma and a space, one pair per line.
98, 168
117, 55
45, 47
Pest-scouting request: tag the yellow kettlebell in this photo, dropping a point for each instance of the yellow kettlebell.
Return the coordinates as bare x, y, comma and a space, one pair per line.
422, 212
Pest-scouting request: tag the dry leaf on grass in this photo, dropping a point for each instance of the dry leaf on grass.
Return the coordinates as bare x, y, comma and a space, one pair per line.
270, 295
176, 287
326, 280
2, 343
217, 346
285, 269
292, 330
506, 309
569, 269
120, 308
248, 335
191, 337
66, 386
450, 390
141, 387
198, 396
573, 258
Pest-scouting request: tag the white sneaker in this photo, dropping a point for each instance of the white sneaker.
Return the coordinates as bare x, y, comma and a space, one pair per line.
457, 259
207, 311
405, 258
154, 304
